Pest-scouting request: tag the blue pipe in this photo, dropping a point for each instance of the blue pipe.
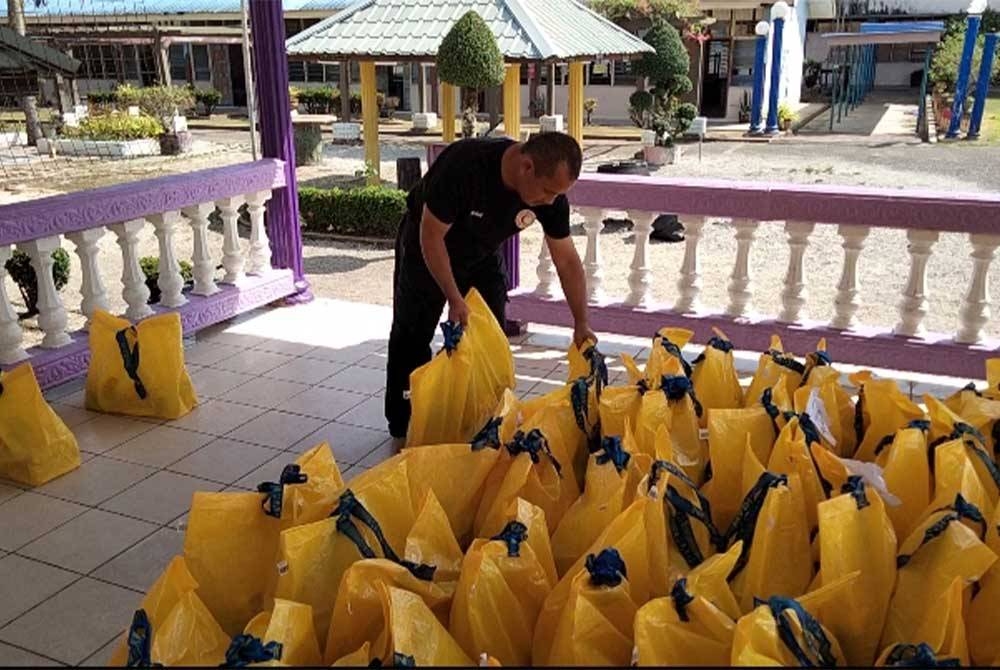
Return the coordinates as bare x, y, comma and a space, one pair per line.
983, 85
964, 72
772, 105
759, 75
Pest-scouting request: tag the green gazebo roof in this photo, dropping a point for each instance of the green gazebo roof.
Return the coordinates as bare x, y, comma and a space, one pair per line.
526, 30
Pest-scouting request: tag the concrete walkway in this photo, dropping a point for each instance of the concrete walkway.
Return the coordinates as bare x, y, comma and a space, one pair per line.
891, 113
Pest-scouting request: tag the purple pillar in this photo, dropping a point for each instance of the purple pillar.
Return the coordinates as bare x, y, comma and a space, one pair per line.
512, 256
277, 138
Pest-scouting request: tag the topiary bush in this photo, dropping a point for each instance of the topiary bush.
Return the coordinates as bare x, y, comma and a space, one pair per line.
208, 98
115, 126
21, 271
667, 68
371, 211
640, 105
470, 58
158, 101
151, 268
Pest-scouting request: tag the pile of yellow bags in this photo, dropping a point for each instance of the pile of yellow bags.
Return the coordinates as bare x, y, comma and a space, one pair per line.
674, 520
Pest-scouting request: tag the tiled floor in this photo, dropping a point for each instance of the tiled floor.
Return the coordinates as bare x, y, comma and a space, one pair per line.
77, 554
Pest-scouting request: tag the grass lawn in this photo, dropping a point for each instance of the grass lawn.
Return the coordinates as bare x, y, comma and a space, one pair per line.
991, 121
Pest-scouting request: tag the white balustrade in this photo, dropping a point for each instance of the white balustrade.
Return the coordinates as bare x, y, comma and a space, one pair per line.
793, 296
689, 285
593, 224
975, 312
52, 317
740, 294
11, 335
233, 260
913, 306
548, 286
170, 282
134, 289
88, 247
846, 304
260, 245
201, 260
640, 278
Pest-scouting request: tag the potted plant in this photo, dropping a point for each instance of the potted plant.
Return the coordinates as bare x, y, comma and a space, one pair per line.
745, 107
786, 117
209, 99
23, 273
590, 106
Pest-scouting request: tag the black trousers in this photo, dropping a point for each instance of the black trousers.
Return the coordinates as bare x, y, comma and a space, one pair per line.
417, 307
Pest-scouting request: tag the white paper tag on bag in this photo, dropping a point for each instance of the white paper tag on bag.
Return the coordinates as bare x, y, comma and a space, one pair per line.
872, 475
817, 412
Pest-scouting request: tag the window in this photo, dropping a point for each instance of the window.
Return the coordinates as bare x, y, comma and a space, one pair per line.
314, 72
600, 72
109, 61
624, 76
178, 56
131, 62
202, 64
296, 71
332, 73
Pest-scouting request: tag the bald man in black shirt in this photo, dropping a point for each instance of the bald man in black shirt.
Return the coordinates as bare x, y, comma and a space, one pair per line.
477, 194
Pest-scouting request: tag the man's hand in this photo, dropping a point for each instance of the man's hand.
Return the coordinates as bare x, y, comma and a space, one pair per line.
582, 333
458, 312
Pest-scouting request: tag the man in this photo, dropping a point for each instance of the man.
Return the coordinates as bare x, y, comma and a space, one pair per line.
477, 194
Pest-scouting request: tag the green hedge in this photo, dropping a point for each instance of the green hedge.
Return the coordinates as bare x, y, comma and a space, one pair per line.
115, 126
371, 211
326, 100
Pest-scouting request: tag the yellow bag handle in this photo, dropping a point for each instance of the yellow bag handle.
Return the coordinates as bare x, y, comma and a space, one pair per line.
130, 358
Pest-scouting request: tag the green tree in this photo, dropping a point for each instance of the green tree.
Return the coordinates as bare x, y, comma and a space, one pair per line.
470, 58
667, 68
642, 11
948, 56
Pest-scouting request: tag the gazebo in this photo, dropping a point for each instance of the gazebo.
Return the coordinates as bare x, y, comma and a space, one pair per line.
410, 31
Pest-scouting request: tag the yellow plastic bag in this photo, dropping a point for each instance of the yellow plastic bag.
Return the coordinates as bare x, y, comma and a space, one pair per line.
946, 426
984, 644
942, 635
716, 384
290, 625
667, 345
454, 395
775, 368
638, 534
596, 625
499, 595
694, 626
939, 550
611, 473
823, 391
915, 656
787, 632
776, 555
693, 533
359, 658
414, 635
138, 370
977, 409
881, 410
531, 467
358, 614
172, 626
317, 486
35, 444
907, 475
955, 474
792, 455
993, 379
856, 535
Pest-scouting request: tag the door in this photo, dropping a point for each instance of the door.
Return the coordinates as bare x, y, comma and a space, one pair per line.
716, 81
237, 75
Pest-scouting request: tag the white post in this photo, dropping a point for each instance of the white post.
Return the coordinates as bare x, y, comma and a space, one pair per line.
913, 306
51, 313
740, 294
201, 260
11, 335
233, 259
547, 285
260, 245
689, 285
793, 296
593, 224
134, 289
171, 283
846, 303
92, 289
640, 278
975, 311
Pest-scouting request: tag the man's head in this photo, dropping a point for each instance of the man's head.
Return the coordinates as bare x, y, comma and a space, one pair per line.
549, 165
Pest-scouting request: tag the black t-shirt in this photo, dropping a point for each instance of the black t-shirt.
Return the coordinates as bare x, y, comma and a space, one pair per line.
464, 188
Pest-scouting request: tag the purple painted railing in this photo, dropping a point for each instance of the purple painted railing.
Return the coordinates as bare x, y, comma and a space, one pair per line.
130, 211
855, 211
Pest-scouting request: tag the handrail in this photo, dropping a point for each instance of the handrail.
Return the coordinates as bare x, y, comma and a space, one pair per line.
84, 210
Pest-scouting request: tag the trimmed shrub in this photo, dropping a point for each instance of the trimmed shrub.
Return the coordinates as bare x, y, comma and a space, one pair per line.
21, 271
208, 98
640, 106
371, 211
116, 126
151, 268
470, 58
102, 99
668, 67
158, 101
319, 100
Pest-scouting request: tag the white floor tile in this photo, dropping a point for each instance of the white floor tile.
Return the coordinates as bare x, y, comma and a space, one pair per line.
89, 540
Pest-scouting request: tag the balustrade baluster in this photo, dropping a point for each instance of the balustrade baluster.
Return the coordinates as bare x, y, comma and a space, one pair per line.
548, 286
913, 306
593, 224
51, 313
204, 268
740, 294
233, 260
640, 278
689, 285
11, 335
88, 247
846, 304
975, 311
260, 245
793, 296
134, 289
170, 283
